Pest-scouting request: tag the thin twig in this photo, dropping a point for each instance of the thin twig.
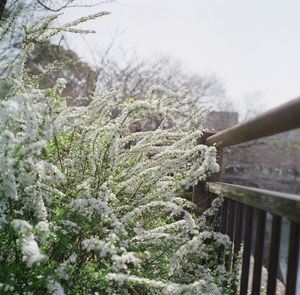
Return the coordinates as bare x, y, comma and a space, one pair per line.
67, 5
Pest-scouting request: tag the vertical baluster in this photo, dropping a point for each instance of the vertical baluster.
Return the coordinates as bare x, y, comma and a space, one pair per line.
238, 227
218, 219
239, 208
231, 217
247, 251
274, 255
230, 232
259, 250
223, 228
224, 216
293, 259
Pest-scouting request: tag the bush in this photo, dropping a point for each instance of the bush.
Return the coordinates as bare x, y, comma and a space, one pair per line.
89, 207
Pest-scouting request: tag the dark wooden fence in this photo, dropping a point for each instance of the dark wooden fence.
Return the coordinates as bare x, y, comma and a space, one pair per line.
245, 209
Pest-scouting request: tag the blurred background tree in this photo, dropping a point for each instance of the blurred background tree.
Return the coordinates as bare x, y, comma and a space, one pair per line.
129, 73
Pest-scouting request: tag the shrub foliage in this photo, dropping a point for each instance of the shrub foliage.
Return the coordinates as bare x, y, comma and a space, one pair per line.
87, 206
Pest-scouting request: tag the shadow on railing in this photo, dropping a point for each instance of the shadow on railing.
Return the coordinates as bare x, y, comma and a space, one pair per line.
245, 210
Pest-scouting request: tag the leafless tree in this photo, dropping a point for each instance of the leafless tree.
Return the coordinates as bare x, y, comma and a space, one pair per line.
253, 104
133, 76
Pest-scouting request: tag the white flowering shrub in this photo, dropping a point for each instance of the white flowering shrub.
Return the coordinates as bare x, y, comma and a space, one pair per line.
89, 207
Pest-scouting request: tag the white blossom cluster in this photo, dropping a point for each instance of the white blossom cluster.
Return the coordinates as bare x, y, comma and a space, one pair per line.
88, 206
198, 287
30, 250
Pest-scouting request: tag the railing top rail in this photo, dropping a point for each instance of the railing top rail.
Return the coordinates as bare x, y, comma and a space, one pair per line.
281, 204
280, 119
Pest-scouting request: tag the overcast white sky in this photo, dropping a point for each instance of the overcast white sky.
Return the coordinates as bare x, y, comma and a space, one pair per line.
251, 45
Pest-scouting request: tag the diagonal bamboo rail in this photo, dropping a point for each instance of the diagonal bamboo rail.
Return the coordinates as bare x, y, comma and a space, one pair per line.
280, 119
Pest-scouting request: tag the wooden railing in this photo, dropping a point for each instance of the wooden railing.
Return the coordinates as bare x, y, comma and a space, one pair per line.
245, 210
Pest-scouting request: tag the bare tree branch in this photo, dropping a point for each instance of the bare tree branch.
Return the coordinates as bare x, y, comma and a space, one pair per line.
51, 9
69, 5
90, 5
